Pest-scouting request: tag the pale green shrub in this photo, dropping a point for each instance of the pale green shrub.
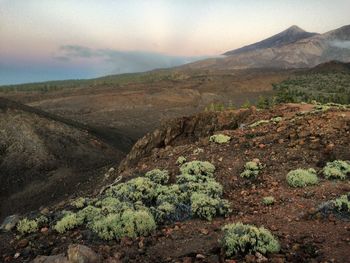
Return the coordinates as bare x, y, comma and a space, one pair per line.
26, 226
197, 168
181, 160
342, 204
79, 202
69, 221
89, 213
137, 189
268, 200
336, 170
244, 238
158, 176
220, 138
206, 207
251, 169
107, 227
302, 177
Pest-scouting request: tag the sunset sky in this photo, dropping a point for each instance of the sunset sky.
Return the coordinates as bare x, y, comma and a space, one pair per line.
59, 39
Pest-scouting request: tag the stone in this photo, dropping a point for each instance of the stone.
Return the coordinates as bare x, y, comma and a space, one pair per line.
23, 243
60, 258
82, 254
9, 223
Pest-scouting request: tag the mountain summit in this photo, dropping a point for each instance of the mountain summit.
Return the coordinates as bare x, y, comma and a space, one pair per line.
288, 36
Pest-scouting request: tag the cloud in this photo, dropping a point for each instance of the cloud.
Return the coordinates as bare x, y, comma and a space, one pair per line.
123, 61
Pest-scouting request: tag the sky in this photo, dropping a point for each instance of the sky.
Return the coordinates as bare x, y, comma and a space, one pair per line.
68, 39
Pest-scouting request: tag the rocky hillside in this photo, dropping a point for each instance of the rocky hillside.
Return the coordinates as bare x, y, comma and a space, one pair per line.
253, 156
43, 158
289, 49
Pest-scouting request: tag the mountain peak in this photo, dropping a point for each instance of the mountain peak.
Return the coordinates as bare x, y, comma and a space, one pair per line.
295, 28
288, 36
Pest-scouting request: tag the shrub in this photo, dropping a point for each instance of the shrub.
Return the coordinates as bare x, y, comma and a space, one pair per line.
137, 189
137, 223
158, 176
197, 168
244, 238
302, 177
336, 170
69, 221
220, 138
210, 188
342, 204
89, 213
181, 160
130, 223
107, 227
206, 207
251, 169
268, 200
79, 202
164, 212
26, 226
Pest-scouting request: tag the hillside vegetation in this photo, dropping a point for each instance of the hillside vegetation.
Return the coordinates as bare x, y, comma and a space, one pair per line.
321, 87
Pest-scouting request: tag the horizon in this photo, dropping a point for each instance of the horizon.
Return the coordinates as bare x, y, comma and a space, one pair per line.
43, 41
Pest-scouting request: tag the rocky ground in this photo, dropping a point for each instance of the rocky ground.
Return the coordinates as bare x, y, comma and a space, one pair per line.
306, 137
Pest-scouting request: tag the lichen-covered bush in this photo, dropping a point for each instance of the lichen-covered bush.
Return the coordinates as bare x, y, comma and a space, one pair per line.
302, 177
26, 226
158, 176
135, 207
342, 204
68, 221
337, 170
243, 238
220, 138
79, 202
137, 189
130, 223
206, 207
197, 168
251, 169
181, 160
268, 200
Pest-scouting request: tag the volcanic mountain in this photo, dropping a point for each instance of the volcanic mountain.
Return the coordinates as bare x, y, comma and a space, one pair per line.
288, 36
292, 48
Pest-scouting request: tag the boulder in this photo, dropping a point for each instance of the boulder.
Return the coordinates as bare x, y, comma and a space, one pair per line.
82, 254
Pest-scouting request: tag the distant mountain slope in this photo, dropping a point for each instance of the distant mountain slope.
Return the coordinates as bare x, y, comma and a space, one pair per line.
288, 36
281, 52
42, 159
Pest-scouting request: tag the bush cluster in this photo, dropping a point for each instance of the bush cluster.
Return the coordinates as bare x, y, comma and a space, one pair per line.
243, 238
302, 177
219, 138
26, 226
251, 169
336, 170
135, 207
342, 204
268, 200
